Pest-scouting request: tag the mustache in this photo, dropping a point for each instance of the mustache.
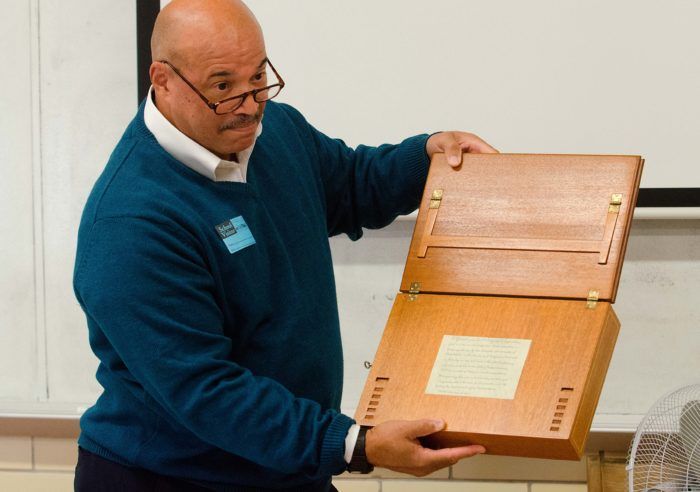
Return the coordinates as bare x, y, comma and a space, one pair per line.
241, 121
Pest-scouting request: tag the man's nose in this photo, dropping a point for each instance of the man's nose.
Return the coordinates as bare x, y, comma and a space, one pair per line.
249, 106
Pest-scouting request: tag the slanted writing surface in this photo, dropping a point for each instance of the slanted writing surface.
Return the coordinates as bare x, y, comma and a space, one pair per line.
516, 371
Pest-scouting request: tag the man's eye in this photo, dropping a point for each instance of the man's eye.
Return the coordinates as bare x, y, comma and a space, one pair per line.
222, 86
260, 76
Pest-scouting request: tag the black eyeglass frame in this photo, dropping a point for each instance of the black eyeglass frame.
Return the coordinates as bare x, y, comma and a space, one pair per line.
215, 105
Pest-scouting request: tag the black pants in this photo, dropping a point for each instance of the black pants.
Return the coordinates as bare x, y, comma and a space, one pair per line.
96, 474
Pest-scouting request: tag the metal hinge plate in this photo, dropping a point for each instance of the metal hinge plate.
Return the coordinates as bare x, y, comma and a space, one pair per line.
615, 202
592, 299
436, 199
414, 291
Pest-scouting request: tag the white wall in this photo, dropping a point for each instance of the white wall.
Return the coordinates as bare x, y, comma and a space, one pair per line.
73, 90
18, 372
88, 95
543, 76
70, 92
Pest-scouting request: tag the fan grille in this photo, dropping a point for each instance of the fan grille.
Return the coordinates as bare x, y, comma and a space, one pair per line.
665, 453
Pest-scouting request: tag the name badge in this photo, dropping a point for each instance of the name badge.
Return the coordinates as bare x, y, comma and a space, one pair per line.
235, 234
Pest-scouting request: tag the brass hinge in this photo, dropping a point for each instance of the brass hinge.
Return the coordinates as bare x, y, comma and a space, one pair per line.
592, 299
414, 291
615, 202
435, 199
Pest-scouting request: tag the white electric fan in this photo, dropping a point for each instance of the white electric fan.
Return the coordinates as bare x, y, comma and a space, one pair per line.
665, 452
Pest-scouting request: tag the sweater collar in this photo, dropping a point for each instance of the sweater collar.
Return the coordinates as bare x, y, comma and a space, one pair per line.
192, 154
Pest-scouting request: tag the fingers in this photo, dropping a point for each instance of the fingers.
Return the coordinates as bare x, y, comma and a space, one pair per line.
453, 150
473, 144
453, 455
425, 427
396, 445
427, 461
431, 460
453, 144
449, 144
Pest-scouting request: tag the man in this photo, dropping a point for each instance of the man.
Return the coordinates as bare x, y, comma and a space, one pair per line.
205, 274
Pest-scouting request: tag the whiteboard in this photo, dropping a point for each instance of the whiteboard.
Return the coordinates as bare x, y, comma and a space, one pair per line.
87, 85
70, 95
543, 76
19, 378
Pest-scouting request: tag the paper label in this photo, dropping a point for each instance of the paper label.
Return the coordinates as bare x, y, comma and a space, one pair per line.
235, 234
478, 367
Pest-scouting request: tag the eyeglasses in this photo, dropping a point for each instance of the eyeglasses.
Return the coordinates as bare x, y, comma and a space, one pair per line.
230, 104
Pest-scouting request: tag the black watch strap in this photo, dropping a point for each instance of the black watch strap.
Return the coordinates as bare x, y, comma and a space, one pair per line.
358, 462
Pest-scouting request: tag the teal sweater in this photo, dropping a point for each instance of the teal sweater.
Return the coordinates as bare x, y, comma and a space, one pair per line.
220, 354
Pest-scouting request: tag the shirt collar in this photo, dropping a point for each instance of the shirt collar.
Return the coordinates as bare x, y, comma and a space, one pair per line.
192, 154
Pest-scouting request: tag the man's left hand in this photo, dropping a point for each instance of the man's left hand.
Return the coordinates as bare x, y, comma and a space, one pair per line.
454, 143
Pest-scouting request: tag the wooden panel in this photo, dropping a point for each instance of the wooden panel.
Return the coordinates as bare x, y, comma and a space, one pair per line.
524, 225
596, 377
563, 374
607, 472
51, 426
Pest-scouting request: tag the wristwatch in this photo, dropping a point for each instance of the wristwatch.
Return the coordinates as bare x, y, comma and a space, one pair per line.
358, 462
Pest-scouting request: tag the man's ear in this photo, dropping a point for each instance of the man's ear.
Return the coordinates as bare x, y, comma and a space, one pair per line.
159, 77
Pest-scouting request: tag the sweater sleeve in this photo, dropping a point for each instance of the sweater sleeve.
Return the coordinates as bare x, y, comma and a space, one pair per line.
146, 288
367, 186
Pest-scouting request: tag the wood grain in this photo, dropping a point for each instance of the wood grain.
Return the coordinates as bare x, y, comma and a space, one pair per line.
509, 246
607, 472
570, 348
524, 225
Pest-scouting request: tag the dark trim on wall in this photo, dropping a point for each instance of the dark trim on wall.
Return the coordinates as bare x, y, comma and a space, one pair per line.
669, 197
146, 13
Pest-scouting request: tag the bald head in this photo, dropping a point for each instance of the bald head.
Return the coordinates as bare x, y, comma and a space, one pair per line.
186, 29
215, 52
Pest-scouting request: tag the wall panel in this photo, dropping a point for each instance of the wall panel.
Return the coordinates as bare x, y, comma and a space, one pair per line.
18, 337
88, 55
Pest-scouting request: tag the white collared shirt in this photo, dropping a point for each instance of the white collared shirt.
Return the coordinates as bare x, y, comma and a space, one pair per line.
192, 154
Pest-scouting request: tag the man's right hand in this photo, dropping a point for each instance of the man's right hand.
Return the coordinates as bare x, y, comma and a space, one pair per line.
395, 445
